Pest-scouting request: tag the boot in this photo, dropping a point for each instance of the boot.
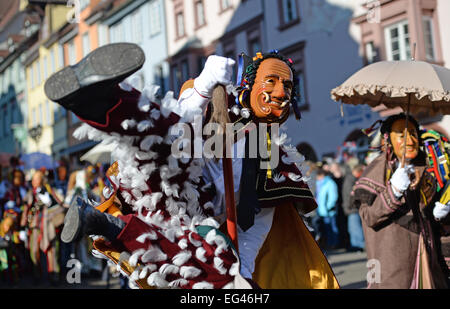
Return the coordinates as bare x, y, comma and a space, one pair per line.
83, 219
85, 88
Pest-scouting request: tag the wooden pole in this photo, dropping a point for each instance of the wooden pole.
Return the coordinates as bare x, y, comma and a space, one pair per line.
230, 202
220, 100
406, 130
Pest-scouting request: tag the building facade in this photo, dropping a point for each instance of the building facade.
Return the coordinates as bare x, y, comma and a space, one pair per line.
19, 30
80, 38
404, 29
193, 31
318, 37
142, 22
43, 59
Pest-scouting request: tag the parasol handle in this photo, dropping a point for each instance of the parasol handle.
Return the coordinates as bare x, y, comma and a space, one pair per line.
413, 58
406, 131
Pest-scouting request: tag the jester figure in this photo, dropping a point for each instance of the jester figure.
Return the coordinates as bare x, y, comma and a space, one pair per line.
397, 197
163, 222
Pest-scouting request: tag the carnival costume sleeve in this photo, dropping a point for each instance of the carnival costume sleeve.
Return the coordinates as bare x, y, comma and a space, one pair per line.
375, 198
170, 239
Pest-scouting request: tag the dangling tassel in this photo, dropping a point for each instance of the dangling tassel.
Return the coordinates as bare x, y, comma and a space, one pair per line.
240, 81
242, 97
269, 143
342, 110
372, 129
387, 151
240, 69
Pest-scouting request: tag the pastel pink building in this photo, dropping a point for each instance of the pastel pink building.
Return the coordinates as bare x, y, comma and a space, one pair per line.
389, 30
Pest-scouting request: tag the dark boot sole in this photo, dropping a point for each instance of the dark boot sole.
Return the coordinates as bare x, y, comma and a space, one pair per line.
106, 65
72, 224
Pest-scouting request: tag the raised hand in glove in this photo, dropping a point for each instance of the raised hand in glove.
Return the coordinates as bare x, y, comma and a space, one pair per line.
217, 70
400, 180
440, 211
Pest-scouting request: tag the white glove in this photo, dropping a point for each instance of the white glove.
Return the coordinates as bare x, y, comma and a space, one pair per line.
10, 204
217, 70
23, 236
441, 211
45, 198
400, 180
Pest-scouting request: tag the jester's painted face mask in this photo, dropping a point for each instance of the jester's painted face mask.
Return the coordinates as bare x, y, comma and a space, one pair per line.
271, 92
398, 139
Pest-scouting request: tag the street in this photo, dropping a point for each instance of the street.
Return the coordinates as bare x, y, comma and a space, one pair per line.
349, 268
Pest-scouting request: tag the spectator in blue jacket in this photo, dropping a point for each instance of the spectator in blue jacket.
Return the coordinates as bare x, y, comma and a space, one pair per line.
327, 195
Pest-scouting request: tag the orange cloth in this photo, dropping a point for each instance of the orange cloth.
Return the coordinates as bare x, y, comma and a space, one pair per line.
290, 257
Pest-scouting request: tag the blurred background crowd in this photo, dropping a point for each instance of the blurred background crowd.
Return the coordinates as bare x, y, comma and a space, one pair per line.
335, 223
33, 205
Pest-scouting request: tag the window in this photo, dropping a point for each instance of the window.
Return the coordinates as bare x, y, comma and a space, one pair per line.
21, 73
38, 72
117, 33
371, 53
428, 36
225, 4
136, 21
61, 56
48, 116
296, 54
45, 66
155, 18
200, 13
84, 4
397, 41
301, 95
86, 44
33, 118
40, 115
31, 73
160, 78
11, 75
102, 35
289, 11
6, 77
180, 25
127, 28
14, 73
52, 61
71, 53
184, 71
112, 34
255, 46
176, 79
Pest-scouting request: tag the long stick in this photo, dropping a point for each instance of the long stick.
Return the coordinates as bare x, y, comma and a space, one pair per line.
229, 201
406, 131
220, 101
